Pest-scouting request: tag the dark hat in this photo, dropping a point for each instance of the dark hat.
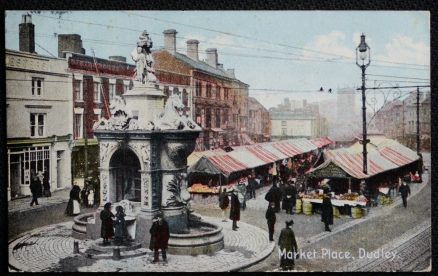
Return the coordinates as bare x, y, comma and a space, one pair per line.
289, 223
107, 205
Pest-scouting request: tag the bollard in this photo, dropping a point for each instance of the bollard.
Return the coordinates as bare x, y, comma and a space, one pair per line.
75, 247
116, 254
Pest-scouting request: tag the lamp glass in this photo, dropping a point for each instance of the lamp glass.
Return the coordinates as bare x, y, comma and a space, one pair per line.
363, 55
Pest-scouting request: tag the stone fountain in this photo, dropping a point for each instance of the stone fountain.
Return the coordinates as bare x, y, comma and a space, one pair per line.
143, 165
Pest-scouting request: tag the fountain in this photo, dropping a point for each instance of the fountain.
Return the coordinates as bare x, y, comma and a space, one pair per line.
143, 166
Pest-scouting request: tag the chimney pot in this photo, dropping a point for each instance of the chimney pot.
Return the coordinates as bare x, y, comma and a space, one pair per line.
170, 40
212, 57
192, 49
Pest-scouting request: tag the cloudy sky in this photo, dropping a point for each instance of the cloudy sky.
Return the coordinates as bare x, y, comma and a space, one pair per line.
278, 53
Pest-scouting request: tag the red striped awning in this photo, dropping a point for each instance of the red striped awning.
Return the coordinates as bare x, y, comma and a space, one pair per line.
321, 141
263, 154
227, 164
287, 149
395, 157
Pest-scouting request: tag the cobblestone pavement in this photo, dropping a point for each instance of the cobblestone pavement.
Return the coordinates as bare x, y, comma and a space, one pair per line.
413, 253
23, 204
51, 249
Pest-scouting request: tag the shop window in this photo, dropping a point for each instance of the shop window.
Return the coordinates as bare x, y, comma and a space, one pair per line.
78, 129
37, 86
218, 117
77, 88
37, 124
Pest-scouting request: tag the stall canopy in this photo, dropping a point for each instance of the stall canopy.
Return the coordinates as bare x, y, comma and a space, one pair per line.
204, 165
382, 156
196, 155
321, 142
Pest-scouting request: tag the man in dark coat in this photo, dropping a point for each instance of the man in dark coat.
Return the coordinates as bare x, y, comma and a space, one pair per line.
327, 212
159, 237
405, 191
46, 183
224, 201
274, 195
271, 218
35, 187
291, 197
252, 185
287, 244
235, 209
106, 228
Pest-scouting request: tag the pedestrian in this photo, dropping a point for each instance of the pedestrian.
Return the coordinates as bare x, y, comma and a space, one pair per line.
224, 201
235, 209
241, 187
327, 211
46, 183
283, 195
404, 191
73, 206
270, 171
274, 195
159, 237
106, 228
252, 185
35, 187
287, 244
120, 230
90, 198
271, 218
291, 197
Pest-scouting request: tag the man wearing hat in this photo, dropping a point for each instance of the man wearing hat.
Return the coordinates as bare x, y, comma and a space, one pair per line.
327, 211
159, 237
235, 209
288, 246
271, 218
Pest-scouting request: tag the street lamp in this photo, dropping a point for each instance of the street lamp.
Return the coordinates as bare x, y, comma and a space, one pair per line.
363, 52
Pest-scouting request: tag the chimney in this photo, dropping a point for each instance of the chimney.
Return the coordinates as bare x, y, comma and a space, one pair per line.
212, 57
69, 43
192, 49
230, 73
220, 66
170, 40
118, 58
27, 34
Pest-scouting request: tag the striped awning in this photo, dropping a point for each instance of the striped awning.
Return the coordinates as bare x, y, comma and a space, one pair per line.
196, 155
263, 154
391, 155
227, 164
321, 142
247, 158
287, 148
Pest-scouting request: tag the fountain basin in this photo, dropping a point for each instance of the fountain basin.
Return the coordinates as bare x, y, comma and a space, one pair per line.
203, 238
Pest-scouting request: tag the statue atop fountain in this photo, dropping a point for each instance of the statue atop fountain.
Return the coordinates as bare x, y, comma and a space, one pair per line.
143, 59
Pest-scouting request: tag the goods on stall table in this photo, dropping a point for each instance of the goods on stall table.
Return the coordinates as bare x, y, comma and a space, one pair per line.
385, 200
307, 208
349, 196
361, 198
356, 212
298, 206
199, 188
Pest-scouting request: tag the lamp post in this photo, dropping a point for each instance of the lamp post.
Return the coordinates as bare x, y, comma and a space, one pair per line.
363, 52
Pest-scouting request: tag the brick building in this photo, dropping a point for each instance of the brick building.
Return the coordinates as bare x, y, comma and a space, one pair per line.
215, 99
259, 122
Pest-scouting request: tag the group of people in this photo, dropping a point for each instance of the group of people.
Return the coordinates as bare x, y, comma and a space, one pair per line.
286, 194
39, 185
114, 227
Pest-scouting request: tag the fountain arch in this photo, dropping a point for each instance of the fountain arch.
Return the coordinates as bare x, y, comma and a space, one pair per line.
125, 175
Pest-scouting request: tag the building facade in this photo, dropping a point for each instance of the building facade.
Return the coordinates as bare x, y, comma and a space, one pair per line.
305, 122
215, 99
259, 122
38, 90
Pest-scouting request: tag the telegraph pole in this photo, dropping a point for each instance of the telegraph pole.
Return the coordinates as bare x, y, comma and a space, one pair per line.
418, 120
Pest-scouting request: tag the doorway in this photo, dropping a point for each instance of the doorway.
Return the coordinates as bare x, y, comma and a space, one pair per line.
125, 176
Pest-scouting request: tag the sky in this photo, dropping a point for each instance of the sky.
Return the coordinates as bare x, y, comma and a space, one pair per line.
278, 53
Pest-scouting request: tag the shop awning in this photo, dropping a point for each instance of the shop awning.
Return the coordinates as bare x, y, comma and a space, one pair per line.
247, 158
263, 154
386, 156
321, 142
287, 148
196, 155
226, 164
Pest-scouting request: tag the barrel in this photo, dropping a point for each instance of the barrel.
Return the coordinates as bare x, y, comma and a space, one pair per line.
336, 212
307, 208
356, 212
298, 206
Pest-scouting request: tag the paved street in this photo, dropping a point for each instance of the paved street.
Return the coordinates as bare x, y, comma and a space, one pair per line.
51, 249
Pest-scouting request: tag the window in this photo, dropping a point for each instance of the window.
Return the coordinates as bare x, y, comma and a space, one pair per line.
78, 129
112, 91
77, 90
208, 118
96, 92
225, 118
218, 92
218, 117
284, 131
198, 89
283, 123
208, 90
37, 86
226, 93
37, 124
198, 115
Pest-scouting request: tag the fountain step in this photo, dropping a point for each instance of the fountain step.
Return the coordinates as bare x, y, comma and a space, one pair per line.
98, 246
